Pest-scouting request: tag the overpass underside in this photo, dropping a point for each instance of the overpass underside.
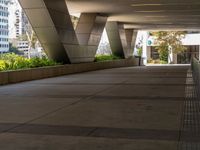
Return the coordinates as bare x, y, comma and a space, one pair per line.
122, 19
139, 108
136, 108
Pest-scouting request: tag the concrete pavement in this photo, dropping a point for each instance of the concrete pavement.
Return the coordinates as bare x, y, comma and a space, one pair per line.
136, 108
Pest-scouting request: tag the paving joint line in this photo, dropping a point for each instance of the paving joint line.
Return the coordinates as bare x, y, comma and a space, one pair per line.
88, 98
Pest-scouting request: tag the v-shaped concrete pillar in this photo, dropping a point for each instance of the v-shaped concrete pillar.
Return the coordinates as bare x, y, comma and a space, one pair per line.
52, 23
122, 41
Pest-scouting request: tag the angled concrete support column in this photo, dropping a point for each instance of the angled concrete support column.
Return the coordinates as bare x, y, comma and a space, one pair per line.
52, 24
122, 41
131, 36
89, 31
47, 24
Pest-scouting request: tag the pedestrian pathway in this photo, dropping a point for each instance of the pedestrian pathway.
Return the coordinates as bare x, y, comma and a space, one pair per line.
135, 108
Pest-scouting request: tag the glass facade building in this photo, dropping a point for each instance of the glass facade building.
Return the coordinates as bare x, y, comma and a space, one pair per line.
4, 31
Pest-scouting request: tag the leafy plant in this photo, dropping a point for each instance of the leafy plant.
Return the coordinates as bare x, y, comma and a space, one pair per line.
163, 53
2, 65
106, 57
11, 61
140, 51
15, 50
169, 40
163, 62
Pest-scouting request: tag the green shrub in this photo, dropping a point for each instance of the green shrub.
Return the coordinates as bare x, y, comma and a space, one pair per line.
2, 65
164, 55
38, 62
106, 57
157, 61
11, 61
163, 62
140, 51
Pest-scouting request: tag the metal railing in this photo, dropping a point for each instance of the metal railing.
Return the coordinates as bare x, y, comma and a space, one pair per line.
190, 130
195, 66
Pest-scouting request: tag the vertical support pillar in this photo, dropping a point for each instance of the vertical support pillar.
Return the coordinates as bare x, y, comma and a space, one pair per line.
148, 53
175, 59
199, 52
144, 54
171, 58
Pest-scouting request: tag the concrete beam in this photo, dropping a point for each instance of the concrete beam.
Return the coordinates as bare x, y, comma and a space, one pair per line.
163, 27
52, 23
169, 13
122, 41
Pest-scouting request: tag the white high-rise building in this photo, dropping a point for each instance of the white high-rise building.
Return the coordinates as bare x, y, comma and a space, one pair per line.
19, 27
4, 31
15, 21
18, 23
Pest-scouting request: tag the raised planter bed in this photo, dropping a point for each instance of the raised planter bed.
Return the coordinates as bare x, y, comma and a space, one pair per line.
10, 77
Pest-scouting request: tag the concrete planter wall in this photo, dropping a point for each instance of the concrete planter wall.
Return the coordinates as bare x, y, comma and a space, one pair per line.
10, 77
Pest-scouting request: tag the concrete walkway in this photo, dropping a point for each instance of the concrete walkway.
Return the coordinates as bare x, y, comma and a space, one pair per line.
116, 109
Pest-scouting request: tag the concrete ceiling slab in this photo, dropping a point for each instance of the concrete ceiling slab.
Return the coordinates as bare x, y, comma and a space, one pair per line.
144, 14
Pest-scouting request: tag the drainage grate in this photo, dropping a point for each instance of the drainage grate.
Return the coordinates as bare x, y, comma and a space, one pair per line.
190, 130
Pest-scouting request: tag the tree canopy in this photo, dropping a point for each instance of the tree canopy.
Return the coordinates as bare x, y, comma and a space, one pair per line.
172, 39
169, 41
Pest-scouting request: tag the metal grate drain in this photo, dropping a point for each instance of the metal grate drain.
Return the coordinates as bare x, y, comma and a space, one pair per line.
190, 130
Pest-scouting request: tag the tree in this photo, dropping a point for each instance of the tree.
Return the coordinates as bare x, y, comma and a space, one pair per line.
139, 47
32, 39
14, 50
22, 37
169, 41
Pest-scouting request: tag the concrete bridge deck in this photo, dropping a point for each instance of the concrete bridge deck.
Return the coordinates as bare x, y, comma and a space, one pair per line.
116, 109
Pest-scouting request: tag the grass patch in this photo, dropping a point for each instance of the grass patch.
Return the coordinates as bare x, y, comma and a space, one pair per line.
11, 61
100, 58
